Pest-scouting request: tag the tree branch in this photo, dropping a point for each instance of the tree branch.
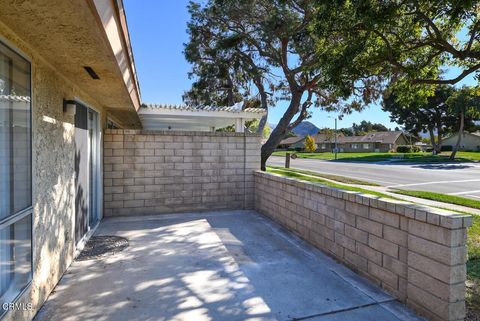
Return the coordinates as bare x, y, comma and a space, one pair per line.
453, 81
303, 112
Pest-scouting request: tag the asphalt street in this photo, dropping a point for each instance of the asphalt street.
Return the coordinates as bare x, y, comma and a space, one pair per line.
462, 179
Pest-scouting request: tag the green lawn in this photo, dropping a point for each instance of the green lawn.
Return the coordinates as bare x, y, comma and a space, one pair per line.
292, 174
378, 157
473, 266
340, 179
457, 200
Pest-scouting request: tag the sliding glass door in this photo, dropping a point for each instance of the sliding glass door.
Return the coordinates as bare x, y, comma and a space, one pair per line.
87, 170
15, 175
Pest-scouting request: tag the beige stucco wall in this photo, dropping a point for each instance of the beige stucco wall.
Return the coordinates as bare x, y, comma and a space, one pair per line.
53, 174
469, 142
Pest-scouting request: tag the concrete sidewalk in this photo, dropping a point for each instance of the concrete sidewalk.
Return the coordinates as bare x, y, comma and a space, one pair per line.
233, 265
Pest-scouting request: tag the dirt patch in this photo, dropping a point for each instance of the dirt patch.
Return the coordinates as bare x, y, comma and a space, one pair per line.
473, 300
101, 246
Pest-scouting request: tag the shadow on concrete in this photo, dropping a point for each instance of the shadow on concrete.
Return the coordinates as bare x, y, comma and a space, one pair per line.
214, 266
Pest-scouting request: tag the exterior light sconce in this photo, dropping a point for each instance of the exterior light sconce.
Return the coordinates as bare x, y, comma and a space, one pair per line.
69, 107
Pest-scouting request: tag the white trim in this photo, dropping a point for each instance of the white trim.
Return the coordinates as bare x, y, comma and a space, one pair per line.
13, 47
29, 211
81, 244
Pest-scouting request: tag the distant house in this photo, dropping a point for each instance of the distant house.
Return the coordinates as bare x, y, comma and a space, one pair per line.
326, 142
291, 142
470, 141
374, 142
371, 142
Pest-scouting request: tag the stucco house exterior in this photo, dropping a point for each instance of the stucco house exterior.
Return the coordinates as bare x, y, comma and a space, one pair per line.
291, 142
66, 71
469, 141
67, 84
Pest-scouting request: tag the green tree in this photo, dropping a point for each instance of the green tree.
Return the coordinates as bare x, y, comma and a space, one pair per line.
465, 102
404, 42
309, 144
253, 125
366, 127
430, 114
270, 44
437, 115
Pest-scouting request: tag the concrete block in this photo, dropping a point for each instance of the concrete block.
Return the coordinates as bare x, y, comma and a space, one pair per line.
438, 252
395, 235
447, 274
369, 253
370, 226
356, 234
384, 275
395, 266
443, 291
357, 209
385, 217
436, 308
383, 246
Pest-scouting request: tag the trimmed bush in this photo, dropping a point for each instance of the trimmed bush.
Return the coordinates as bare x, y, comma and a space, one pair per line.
446, 148
310, 146
408, 149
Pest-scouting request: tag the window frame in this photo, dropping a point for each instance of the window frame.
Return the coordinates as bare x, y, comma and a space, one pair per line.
16, 217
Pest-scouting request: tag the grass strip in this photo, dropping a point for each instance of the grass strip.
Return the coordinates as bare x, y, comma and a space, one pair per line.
379, 157
319, 180
340, 179
452, 199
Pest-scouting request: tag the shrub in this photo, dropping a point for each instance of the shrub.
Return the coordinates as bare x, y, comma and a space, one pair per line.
310, 146
404, 149
408, 149
446, 148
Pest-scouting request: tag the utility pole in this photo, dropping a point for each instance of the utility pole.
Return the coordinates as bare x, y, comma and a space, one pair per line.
336, 146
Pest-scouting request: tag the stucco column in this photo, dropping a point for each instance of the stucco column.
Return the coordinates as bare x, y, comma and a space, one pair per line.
239, 125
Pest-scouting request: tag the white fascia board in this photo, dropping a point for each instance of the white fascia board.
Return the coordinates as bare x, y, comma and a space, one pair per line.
190, 113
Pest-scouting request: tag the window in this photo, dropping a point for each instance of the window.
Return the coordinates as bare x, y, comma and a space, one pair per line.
15, 175
355, 146
324, 146
366, 146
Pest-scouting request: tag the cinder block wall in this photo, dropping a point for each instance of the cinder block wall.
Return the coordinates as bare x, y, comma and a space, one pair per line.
148, 172
417, 254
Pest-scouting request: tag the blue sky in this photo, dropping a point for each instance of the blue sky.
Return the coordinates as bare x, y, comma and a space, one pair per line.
158, 32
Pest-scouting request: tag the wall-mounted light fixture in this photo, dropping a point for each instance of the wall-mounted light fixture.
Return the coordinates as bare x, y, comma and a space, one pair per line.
69, 107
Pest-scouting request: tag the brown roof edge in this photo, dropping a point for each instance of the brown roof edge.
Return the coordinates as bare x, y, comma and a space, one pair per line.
123, 30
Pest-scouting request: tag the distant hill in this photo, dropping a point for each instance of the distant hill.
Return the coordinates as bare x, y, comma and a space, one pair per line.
303, 129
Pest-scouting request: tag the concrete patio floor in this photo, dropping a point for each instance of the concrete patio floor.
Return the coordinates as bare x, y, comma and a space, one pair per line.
235, 265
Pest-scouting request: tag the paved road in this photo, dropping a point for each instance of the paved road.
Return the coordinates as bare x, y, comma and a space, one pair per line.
461, 179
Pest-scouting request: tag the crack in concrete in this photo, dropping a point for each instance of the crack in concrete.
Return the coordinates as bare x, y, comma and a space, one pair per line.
342, 310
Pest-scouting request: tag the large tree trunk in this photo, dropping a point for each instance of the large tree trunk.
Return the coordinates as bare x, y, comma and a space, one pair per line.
432, 140
460, 134
281, 130
262, 123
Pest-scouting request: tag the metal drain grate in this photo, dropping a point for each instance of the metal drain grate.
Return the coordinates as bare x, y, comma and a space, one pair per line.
100, 246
